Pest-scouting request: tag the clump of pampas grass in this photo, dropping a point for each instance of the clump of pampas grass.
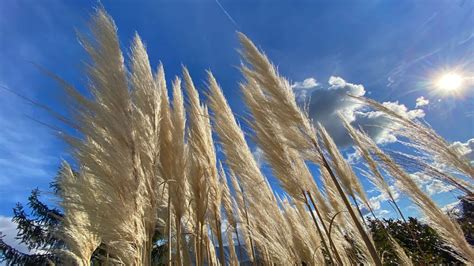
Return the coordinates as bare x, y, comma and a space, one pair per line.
118, 146
145, 163
298, 131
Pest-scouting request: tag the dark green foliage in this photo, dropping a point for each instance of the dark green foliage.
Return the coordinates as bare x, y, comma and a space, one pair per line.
12, 256
36, 230
421, 243
160, 248
466, 218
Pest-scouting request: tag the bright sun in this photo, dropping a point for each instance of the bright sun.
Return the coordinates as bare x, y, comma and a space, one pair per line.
449, 82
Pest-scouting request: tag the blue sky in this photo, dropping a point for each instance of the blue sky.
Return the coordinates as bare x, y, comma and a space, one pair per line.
394, 49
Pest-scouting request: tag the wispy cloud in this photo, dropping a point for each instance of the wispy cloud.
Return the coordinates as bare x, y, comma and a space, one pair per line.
28, 156
29, 152
397, 73
430, 185
227, 14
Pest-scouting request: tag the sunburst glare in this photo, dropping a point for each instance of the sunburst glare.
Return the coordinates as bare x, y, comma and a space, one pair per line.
449, 82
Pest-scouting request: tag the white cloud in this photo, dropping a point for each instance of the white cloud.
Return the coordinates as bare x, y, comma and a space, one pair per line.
395, 192
437, 186
338, 82
324, 104
258, 155
421, 101
8, 228
430, 185
304, 88
403, 110
375, 202
382, 213
452, 207
466, 149
353, 157
305, 84
420, 178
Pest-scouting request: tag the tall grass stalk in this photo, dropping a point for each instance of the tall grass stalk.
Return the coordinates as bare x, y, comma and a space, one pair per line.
78, 233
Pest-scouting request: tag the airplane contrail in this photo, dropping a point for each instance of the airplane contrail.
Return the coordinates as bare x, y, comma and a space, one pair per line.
227, 14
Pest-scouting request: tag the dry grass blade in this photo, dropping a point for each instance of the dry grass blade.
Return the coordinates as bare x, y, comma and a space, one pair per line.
377, 179
349, 179
262, 78
261, 202
203, 169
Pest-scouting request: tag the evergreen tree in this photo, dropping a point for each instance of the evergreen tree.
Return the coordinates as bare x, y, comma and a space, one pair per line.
37, 230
